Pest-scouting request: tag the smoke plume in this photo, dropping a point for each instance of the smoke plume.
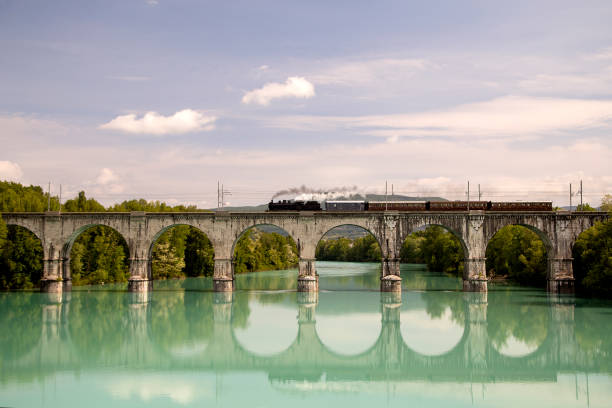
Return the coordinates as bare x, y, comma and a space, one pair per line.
318, 194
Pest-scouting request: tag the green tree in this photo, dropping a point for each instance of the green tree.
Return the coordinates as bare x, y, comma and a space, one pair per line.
585, 207
441, 250
99, 255
199, 254
261, 251
82, 204
592, 254
15, 197
21, 257
517, 253
606, 203
167, 264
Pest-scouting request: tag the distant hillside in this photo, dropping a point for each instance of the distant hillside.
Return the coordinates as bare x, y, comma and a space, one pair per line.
246, 208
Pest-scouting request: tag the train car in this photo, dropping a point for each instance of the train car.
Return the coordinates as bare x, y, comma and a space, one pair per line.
397, 205
457, 205
290, 205
345, 205
522, 206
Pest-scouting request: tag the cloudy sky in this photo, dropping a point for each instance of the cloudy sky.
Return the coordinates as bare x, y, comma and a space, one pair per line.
162, 99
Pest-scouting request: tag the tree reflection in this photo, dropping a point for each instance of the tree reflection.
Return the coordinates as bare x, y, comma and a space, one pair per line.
181, 322
21, 323
98, 322
514, 317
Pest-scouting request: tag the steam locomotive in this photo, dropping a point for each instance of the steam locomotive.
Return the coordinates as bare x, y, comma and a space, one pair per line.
350, 206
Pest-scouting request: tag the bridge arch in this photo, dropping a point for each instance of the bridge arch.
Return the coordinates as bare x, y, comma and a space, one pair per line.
67, 248
364, 229
531, 225
66, 255
168, 227
449, 225
290, 258
519, 252
27, 224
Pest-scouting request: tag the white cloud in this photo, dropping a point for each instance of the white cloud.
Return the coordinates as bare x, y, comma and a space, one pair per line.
106, 176
509, 116
153, 123
294, 87
10, 171
343, 72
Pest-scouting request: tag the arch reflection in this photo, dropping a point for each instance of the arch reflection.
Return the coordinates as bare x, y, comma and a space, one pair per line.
345, 327
271, 327
205, 331
432, 327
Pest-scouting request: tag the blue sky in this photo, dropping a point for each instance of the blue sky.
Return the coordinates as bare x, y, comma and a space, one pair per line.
160, 99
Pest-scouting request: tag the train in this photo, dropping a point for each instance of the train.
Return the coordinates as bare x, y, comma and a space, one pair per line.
356, 206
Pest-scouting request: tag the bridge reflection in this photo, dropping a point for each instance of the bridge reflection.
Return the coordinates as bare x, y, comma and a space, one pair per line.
429, 336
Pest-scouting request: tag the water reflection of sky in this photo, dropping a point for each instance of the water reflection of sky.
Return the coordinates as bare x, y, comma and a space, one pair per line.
270, 329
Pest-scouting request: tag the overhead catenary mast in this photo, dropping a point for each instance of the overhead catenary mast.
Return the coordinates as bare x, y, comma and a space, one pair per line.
468, 196
385, 195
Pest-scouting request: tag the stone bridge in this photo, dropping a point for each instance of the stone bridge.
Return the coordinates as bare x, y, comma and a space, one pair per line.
307, 358
58, 232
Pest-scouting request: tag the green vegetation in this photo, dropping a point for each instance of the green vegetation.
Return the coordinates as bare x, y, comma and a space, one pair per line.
21, 257
263, 251
517, 253
527, 324
15, 197
182, 251
439, 249
592, 254
363, 249
99, 255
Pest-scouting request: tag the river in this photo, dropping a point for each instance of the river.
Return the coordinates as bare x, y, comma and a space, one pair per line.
267, 346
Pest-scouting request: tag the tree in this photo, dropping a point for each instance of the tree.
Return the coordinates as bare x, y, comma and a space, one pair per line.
199, 254
585, 207
517, 253
606, 203
82, 204
592, 254
441, 250
99, 256
21, 257
261, 251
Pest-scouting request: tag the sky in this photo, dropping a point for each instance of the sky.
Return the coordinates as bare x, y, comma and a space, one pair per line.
163, 99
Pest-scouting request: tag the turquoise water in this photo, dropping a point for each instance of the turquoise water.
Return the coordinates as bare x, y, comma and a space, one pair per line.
266, 345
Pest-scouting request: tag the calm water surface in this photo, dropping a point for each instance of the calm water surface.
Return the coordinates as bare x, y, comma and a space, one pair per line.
268, 346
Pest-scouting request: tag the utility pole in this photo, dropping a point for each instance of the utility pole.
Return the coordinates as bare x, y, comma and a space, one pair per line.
391, 191
49, 197
224, 192
468, 196
479, 195
570, 196
60, 199
581, 196
385, 195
